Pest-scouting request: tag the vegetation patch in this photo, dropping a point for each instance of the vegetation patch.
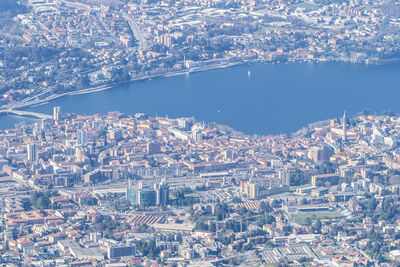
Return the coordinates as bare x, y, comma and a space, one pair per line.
308, 217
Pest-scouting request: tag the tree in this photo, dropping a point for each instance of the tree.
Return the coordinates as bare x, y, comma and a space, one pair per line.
82, 82
43, 202
325, 167
181, 197
303, 259
235, 225
276, 203
152, 162
108, 226
372, 204
394, 179
237, 200
298, 178
316, 227
121, 205
148, 249
270, 219
27, 205
374, 246
389, 113
265, 207
378, 179
40, 200
367, 112
201, 226
334, 230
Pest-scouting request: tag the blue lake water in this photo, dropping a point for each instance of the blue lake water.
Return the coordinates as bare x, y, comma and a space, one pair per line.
274, 98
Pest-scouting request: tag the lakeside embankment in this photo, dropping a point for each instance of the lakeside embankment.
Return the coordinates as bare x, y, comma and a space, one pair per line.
109, 86
193, 70
276, 98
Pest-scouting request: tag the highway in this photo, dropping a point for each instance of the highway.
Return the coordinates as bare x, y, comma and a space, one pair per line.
136, 32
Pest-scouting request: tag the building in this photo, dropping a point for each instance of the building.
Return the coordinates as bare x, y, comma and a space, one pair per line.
95, 236
92, 177
340, 196
196, 135
229, 154
322, 179
284, 175
256, 191
116, 134
184, 124
166, 40
395, 255
127, 40
81, 136
253, 191
319, 154
79, 252
31, 152
147, 196
319, 192
97, 125
121, 251
56, 113
344, 126
162, 193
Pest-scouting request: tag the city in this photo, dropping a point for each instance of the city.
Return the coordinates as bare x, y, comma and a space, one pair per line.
134, 190
55, 48
106, 181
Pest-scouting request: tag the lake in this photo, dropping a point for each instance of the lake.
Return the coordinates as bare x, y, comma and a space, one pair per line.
273, 99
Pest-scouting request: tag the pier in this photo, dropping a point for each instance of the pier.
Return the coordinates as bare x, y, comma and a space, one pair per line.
23, 113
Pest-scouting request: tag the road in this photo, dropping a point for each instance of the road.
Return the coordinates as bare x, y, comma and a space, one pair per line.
107, 29
136, 32
48, 30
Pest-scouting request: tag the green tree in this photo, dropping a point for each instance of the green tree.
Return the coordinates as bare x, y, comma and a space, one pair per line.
372, 204
316, 227
325, 167
121, 205
237, 200
298, 178
40, 200
265, 207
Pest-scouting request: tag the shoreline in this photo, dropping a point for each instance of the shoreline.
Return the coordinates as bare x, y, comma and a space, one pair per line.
166, 75
192, 70
110, 86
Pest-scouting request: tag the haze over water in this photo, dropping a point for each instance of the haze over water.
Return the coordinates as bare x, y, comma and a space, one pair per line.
275, 98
